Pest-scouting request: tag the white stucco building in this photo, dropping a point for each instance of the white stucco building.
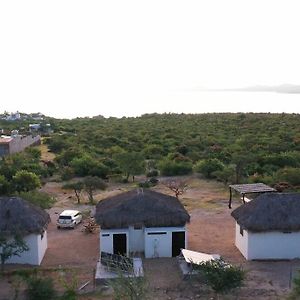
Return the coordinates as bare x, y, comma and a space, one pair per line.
19, 217
142, 221
268, 227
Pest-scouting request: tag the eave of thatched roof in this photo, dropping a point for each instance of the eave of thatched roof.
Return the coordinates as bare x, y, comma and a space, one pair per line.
19, 216
270, 212
152, 209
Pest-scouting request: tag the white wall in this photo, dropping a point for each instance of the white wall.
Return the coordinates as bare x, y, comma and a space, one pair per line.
106, 239
42, 246
36, 252
160, 245
140, 240
273, 245
268, 245
136, 239
241, 241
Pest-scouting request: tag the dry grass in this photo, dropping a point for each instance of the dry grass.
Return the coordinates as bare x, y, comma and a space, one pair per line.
46, 155
204, 194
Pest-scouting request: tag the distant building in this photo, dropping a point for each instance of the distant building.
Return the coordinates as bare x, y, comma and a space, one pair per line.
42, 128
13, 116
17, 143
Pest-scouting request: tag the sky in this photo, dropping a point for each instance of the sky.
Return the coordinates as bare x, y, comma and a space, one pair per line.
74, 58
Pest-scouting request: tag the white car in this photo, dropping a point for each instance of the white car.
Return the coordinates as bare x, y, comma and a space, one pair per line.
69, 218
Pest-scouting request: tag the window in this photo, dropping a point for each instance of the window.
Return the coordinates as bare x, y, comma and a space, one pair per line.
156, 233
286, 232
105, 234
137, 227
42, 235
241, 231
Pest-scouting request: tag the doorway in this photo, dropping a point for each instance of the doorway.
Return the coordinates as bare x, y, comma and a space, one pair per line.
178, 242
120, 243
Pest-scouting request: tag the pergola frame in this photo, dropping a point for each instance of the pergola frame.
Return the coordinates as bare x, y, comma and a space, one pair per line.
250, 188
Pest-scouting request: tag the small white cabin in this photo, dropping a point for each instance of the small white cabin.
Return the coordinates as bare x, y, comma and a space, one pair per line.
19, 217
268, 227
142, 221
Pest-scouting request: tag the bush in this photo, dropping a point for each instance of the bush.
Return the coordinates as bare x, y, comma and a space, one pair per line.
145, 184
208, 166
40, 288
290, 175
221, 276
153, 181
152, 173
67, 173
38, 198
172, 168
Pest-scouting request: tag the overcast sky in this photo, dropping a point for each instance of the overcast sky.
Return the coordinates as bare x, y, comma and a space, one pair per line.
114, 58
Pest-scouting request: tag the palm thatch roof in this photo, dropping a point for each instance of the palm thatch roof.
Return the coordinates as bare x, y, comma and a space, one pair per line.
141, 207
19, 216
270, 212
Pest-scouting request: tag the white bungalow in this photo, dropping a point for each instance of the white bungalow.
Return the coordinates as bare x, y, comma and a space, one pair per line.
19, 217
142, 221
268, 227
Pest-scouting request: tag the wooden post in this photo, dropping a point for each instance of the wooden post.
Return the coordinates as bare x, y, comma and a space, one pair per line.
230, 197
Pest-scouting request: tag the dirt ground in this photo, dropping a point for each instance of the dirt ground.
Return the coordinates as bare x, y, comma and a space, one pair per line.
211, 230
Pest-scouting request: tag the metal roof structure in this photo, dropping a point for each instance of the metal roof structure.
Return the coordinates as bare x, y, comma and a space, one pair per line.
249, 188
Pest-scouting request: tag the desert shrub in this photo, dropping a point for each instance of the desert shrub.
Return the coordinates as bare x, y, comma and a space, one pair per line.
25, 181
172, 168
128, 287
207, 167
295, 294
4, 185
145, 184
290, 175
221, 276
67, 173
153, 181
38, 198
40, 288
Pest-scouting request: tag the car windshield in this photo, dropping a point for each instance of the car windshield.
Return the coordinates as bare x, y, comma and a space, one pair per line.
65, 217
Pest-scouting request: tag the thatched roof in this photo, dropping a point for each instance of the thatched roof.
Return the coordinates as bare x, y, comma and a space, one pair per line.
18, 215
270, 212
141, 207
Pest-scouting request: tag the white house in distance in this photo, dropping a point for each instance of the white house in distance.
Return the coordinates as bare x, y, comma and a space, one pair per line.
268, 227
142, 221
18, 216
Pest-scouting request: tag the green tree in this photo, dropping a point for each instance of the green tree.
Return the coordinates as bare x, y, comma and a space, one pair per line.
77, 187
92, 183
4, 185
26, 181
11, 246
208, 166
169, 167
131, 163
38, 198
226, 175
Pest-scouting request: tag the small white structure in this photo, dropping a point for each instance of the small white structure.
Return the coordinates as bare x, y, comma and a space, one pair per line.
17, 216
268, 227
142, 221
